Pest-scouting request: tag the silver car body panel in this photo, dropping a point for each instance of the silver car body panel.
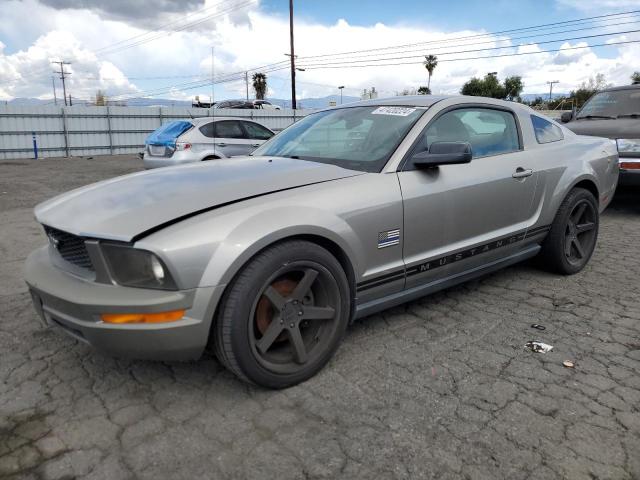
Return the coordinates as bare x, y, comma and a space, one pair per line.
125, 207
457, 222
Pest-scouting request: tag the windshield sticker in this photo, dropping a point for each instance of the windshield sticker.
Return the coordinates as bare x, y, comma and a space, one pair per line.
396, 111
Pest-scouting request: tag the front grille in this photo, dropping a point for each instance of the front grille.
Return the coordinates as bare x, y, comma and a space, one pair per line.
70, 247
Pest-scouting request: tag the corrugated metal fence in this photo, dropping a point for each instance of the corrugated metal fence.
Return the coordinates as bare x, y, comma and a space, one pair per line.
76, 131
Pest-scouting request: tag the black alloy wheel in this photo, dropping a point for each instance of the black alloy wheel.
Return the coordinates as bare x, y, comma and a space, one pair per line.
573, 235
284, 315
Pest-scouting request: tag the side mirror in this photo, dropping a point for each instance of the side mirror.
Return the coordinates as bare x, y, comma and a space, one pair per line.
566, 117
443, 153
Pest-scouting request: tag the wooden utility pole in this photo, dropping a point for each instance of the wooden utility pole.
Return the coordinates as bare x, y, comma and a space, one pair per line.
293, 57
55, 97
63, 75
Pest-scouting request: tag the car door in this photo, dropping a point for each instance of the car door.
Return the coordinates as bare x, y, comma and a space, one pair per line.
256, 133
230, 139
457, 217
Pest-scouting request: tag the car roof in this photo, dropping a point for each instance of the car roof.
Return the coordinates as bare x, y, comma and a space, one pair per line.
217, 118
623, 87
429, 100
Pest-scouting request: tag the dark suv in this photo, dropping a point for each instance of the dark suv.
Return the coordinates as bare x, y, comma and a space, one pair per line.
613, 113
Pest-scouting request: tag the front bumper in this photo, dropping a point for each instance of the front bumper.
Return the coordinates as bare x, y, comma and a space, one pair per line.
75, 305
630, 176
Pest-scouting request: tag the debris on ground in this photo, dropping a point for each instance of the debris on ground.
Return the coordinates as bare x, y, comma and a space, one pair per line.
537, 326
538, 347
568, 364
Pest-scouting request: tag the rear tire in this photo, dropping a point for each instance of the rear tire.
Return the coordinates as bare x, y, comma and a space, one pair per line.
574, 233
211, 157
283, 316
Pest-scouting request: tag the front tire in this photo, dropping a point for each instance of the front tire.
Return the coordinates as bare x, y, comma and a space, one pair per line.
284, 315
574, 232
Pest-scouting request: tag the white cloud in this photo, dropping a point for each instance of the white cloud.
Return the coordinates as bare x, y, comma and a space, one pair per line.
28, 72
257, 38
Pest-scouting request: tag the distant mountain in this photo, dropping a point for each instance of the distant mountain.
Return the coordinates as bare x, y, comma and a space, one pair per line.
322, 102
28, 102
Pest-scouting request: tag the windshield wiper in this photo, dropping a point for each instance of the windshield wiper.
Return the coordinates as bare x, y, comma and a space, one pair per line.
630, 115
608, 117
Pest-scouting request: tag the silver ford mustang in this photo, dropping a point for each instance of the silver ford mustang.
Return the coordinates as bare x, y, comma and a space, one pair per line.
349, 211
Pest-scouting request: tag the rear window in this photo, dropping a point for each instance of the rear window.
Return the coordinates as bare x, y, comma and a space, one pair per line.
546, 132
222, 129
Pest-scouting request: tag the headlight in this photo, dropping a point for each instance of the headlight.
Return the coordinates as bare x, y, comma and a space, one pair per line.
628, 145
137, 268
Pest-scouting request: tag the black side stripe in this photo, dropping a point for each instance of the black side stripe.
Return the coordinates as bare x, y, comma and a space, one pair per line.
451, 258
389, 277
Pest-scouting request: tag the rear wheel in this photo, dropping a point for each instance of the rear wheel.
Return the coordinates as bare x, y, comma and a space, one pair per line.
211, 157
574, 232
284, 315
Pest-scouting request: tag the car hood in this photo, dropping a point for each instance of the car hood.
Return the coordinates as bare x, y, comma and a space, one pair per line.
124, 208
618, 128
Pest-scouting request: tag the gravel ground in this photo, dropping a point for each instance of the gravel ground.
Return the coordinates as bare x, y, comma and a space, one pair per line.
439, 388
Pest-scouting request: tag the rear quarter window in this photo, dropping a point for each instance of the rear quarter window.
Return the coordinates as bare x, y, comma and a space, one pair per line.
546, 132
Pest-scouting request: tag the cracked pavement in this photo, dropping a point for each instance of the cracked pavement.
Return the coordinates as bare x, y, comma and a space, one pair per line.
438, 388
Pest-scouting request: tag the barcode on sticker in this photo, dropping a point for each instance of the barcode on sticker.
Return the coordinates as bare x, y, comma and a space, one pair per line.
397, 111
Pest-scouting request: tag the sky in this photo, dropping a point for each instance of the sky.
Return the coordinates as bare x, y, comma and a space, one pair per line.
163, 48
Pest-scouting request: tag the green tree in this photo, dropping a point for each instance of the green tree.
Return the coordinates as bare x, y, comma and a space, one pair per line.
635, 77
430, 63
424, 91
260, 85
489, 86
513, 87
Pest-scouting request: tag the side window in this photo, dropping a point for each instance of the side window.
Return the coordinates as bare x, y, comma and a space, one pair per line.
490, 132
257, 132
546, 132
207, 129
228, 129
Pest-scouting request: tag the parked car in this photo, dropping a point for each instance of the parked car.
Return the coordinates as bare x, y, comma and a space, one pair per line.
211, 138
235, 104
347, 212
613, 113
264, 105
247, 104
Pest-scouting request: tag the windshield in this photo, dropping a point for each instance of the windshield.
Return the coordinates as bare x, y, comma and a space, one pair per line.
612, 104
358, 138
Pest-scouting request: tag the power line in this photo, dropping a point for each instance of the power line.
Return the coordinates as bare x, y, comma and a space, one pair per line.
235, 77
111, 51
465, 37
434, 50
341, 62
202, 10
480, 58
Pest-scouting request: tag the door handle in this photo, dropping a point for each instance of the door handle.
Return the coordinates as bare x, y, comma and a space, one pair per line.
522, 173
221, 144
255, 144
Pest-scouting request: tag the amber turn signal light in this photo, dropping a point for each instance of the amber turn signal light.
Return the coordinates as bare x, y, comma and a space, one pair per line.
160, 317
630, 165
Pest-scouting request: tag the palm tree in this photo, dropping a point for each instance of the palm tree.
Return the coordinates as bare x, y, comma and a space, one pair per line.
430, 63
260, 85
